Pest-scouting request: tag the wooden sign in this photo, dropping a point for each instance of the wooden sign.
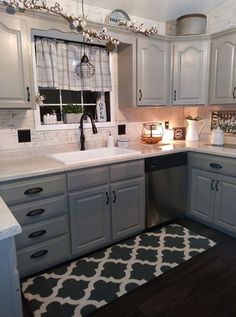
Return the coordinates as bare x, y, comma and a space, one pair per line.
101, 109
179, 133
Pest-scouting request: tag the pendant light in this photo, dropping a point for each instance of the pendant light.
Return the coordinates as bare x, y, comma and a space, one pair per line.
84, 69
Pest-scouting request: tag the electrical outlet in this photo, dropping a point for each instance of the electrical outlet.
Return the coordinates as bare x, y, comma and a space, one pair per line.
24, 136
121, 129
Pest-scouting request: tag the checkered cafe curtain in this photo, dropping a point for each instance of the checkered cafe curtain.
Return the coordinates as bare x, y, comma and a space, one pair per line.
56, 61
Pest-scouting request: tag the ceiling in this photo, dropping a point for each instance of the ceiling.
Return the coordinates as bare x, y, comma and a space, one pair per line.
158, 10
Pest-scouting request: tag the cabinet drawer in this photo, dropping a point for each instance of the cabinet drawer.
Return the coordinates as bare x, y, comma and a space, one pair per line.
88, 177
43, 255
23, 191
213, 163
41, 232
40, 210
127, 170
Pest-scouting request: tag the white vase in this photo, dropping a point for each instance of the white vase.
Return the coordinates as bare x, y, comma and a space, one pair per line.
72, 117
193, 130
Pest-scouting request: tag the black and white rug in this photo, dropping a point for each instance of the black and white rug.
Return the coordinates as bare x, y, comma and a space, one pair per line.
78, 288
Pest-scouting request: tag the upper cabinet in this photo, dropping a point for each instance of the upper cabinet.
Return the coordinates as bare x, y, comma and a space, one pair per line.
223, 69
153, 71
126, 70
15, 89
191, 69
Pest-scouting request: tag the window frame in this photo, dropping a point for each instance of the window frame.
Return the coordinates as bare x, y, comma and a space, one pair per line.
75, 38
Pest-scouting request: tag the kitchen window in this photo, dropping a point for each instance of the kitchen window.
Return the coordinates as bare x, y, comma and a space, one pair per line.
61, 86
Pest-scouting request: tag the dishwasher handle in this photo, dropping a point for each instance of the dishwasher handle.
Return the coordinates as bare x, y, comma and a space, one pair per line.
165, 161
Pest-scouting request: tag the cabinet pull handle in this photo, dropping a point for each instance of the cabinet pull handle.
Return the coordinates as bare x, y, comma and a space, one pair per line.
234, 92
28, 93
174, 95
39, 254
37, 234
212, 184
114, 196
216, 165
108, 199
35, 212
32, 191
140, 95
217, 185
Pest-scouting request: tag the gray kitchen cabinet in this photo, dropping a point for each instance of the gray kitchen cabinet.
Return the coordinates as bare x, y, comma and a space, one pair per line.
225, 202
106, 204
40, 206
202, 195
10, 294
16, 89
126, 55
190, 71
213, 190
153, 71
90, 219
223, 69
128, 203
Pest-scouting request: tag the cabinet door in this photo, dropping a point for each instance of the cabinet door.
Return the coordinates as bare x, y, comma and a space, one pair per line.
153, 72
225, 214
202, 194
15, 88
89, 219
128, 208
10, 296
223, 67
190, 77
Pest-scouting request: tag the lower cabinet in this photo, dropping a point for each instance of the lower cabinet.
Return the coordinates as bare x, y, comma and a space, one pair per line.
202, 194
225, 202
90, 219
10, 294
106, 204
128, 203
212, 193
110, 211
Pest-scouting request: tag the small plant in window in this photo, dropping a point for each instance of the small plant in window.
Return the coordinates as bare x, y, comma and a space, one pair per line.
72, 113
72, 108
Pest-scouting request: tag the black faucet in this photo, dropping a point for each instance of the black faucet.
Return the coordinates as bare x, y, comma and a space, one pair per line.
82, 137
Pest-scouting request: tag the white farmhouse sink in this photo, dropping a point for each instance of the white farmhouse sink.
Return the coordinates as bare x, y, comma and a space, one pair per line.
92, 155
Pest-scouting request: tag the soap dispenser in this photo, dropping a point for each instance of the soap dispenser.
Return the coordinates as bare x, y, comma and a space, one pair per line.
110, 140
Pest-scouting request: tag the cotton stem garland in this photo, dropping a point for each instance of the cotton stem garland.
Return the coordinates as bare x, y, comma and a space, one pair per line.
79, 23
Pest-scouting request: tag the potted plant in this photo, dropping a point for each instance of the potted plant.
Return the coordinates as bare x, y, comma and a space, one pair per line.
72, 113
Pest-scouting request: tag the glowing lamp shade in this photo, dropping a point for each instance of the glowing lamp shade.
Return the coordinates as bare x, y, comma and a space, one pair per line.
152, 132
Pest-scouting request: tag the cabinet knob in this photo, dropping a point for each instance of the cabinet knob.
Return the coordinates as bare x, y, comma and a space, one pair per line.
34, 190
39, 254
140, 95
234, 96
212, 184
174, 95
114, 196
107, 198
216, 165
28, 93
37, 234
217, 185
35, 212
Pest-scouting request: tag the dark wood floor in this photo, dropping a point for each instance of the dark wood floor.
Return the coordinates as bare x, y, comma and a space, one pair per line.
203, 286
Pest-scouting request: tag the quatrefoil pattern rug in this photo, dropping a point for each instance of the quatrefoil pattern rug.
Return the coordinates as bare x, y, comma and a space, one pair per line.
78, 288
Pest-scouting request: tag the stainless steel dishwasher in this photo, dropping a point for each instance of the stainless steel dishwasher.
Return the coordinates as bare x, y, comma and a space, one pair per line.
166, 188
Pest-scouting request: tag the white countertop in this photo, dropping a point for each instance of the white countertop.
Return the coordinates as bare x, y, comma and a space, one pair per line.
8, 225
17, 167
